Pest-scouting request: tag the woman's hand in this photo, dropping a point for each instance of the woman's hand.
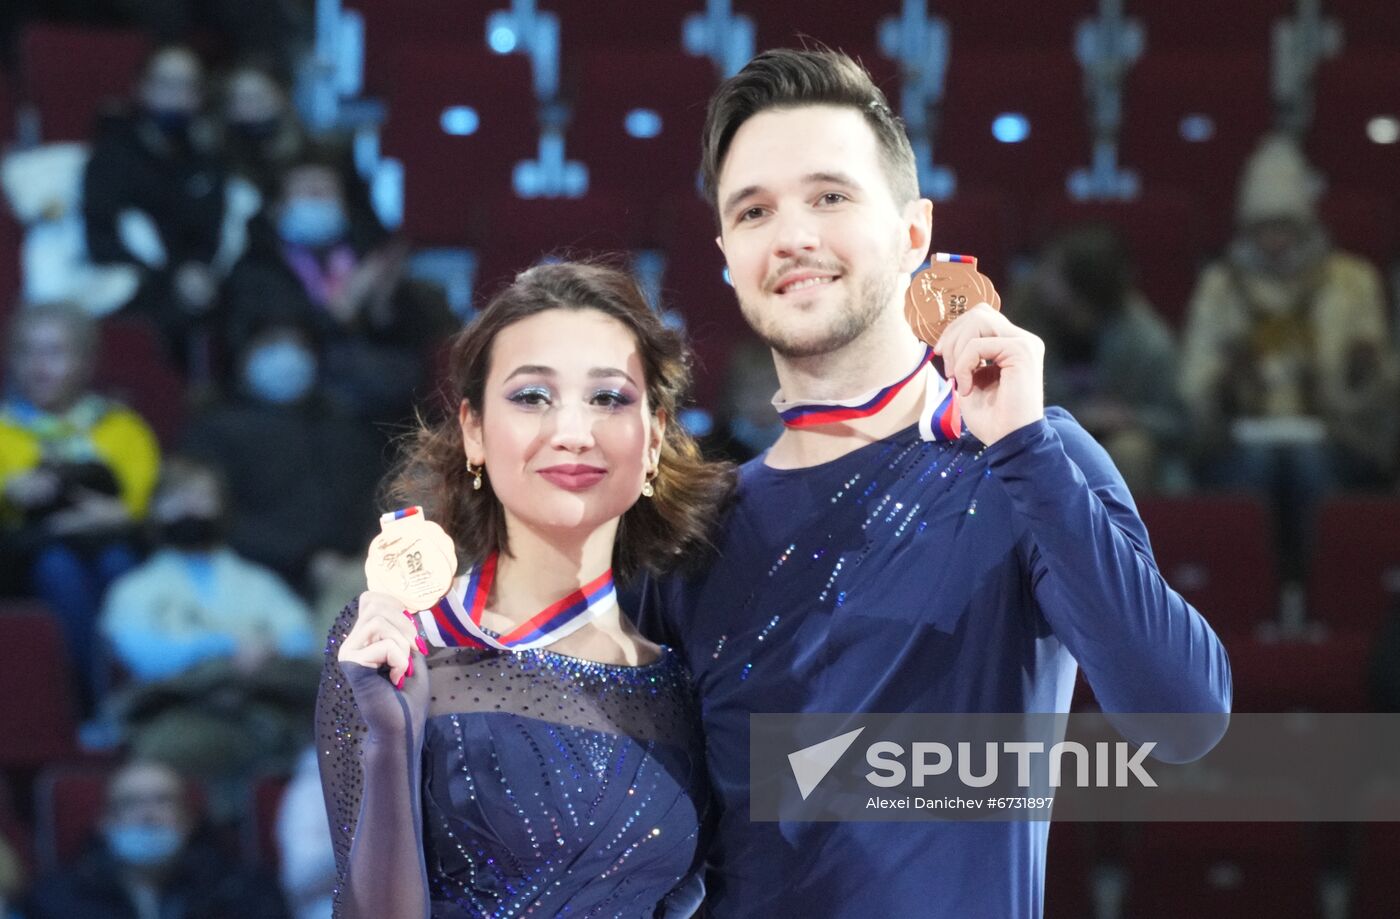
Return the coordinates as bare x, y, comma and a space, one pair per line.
384, 634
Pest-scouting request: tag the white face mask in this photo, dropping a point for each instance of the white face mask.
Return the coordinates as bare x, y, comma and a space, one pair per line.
281, 372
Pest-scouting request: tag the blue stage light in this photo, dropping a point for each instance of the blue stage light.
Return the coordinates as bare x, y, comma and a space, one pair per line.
460, 120
502, 40
1197, 128
1011, 127
643, 123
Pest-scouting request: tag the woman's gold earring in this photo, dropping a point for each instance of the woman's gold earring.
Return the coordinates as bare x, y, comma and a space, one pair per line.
476, 475
647, 489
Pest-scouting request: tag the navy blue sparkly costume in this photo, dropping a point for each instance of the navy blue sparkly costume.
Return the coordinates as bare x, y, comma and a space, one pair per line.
547, 785
909, 576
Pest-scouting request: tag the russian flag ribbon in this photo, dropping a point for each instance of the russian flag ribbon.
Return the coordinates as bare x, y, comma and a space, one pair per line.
455, 620
940, 419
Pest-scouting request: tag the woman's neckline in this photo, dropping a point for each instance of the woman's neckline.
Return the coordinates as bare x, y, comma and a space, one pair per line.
663, 653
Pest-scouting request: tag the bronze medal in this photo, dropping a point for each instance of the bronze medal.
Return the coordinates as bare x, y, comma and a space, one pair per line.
412, 559
950, 286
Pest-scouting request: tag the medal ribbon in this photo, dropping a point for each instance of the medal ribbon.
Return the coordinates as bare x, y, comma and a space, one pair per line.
455, 620
940, 419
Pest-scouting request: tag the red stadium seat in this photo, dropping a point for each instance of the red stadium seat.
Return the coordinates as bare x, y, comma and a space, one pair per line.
390, 23
1003, 24
587, 24
980, 225
1299, 674
7, 109
836, 23
36, 688
1209, 24
1375, 882
1365, 24
68, 804
11, 236
1042, 87
615, 84
1352, 90
132, 367
1360, 222
1354, 578
1223, 871
524, 232
260, 825
695, 287
1190, 119
71, 72
1069, 869
448, 176
1217, 550
1162, 235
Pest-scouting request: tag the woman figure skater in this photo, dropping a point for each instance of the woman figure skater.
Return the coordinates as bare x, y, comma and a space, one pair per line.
492, 756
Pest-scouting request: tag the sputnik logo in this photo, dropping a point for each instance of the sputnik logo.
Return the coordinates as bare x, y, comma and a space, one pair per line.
811, 764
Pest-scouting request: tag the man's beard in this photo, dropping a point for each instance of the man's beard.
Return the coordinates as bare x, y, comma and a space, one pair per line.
860, 310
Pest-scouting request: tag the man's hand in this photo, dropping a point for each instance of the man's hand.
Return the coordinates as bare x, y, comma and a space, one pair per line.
998, 371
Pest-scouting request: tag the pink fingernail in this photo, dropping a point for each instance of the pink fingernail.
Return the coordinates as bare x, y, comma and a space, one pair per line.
422, 645
402, 677
408, 671
409, 615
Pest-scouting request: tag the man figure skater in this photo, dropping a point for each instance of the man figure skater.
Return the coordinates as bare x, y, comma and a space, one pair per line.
869, 567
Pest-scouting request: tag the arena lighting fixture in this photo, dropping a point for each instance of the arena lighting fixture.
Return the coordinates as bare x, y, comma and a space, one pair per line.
1196, 128
642, 123
502, 40
460, 120
1383, 129
1011, 127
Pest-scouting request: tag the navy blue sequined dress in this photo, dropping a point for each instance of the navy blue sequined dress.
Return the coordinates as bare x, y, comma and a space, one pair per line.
550, 785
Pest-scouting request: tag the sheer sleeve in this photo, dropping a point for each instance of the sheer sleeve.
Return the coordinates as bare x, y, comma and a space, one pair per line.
370, 743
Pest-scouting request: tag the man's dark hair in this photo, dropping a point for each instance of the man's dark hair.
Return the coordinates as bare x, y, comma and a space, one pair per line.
788, 78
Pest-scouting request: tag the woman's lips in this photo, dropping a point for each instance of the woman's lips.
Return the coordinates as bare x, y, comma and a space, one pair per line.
574, 477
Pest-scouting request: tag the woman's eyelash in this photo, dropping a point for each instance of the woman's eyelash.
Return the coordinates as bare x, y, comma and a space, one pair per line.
533, 395
615, 398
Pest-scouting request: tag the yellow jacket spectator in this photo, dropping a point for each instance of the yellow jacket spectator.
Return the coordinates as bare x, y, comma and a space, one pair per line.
76, 473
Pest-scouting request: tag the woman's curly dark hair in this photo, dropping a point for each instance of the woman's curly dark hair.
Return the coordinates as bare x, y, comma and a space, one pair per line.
656, 534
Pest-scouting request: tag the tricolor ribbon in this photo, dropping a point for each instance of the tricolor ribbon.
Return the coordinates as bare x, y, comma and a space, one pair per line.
455, 620
940, 419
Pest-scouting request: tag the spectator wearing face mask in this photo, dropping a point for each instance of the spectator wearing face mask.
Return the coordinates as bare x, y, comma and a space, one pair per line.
152, 860
195, 599
219, 649
262, 137
314, 265
155, 197
301, 473
76, 473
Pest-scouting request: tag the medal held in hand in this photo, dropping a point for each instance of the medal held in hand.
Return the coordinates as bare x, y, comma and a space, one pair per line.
411, 559
943, 291
950, 286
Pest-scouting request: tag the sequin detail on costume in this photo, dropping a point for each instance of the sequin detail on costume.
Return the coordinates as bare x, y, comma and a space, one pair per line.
551, 785
892, 496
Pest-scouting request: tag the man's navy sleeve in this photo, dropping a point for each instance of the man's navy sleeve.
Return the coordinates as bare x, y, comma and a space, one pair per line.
1142, 647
